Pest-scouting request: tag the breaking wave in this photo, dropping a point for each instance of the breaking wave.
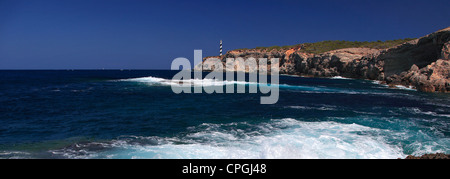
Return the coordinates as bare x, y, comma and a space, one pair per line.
278, 138
155, 81
340, 78
193, 82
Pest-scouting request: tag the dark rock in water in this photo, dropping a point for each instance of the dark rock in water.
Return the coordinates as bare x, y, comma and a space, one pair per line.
430, 156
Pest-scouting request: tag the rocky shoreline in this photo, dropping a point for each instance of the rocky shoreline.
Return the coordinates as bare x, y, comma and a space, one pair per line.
422, 64
430, 156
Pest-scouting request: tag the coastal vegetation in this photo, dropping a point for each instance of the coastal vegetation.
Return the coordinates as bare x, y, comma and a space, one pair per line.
324, 46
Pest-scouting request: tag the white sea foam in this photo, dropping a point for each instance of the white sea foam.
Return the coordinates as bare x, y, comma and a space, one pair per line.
295, 76
213, 82
405, 87
380, 83
410, 88
13, 154
193, 82
431, 113
281, 138
278, 138
340, 78
376, 82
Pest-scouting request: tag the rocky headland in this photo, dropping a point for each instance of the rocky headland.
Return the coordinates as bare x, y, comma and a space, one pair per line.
421, 63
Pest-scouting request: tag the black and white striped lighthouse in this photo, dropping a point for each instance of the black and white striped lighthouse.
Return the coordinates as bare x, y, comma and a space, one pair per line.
220, 48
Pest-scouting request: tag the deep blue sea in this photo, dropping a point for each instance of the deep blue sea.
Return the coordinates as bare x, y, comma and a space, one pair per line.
135, 114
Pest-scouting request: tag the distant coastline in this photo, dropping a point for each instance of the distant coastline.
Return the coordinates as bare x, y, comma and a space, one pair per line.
422, 64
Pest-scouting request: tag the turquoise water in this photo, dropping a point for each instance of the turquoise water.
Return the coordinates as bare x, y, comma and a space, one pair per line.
135, 114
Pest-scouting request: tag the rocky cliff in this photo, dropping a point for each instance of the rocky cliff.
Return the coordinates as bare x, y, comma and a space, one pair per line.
422, 63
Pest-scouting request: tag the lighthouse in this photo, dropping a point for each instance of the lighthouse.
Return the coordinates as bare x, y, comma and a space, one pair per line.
220, 52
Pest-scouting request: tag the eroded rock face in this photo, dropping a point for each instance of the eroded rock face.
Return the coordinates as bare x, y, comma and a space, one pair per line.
432, 74
433, 77
445, 53
420, 52
332, 63
422, 63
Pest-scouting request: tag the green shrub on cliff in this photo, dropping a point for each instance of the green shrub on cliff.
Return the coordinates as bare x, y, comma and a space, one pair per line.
324, 46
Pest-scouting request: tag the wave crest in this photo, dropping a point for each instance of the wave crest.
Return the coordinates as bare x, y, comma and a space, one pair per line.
277, 138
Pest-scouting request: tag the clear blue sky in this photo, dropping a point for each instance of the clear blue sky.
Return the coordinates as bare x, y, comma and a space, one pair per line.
144, 34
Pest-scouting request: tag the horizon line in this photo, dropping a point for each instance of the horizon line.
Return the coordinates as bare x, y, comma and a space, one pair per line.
70, 69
